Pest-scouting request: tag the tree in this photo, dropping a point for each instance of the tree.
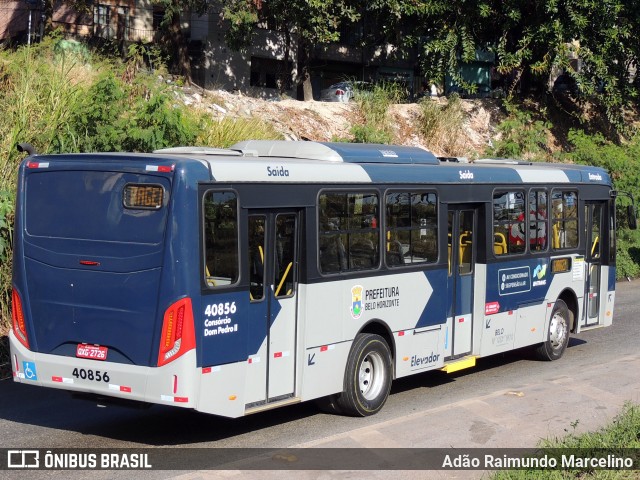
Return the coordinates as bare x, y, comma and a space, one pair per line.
173, 37
303, 23
530, 39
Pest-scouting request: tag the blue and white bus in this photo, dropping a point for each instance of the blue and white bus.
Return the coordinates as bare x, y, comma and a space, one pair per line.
237, 280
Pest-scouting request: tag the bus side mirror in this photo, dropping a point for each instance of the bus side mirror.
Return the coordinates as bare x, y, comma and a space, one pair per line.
631, 214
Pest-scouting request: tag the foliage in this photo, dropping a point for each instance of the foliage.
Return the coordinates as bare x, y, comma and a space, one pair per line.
619, 438
441, 124
61, 104
373, 106
314, 23
623, 164
174, 40
227, 131
370, 134
6, 225
621, 161
628, 253
521, 135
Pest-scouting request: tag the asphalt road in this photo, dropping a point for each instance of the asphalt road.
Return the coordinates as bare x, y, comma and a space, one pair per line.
34, 417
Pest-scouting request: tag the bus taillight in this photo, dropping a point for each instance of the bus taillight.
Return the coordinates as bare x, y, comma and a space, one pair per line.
17, 315
178, 335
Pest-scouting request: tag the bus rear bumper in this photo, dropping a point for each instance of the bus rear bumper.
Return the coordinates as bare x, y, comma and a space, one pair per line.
172, 384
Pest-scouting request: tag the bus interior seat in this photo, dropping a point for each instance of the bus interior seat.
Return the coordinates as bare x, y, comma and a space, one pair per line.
394, 253
333, 257
362, 254
465, 248
499, 244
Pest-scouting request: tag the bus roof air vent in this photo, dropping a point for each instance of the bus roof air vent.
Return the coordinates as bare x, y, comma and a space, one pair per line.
339, 152
197, 151
286, 149
502, 161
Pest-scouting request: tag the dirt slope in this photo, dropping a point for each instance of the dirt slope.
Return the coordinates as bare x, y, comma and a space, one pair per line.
326, 121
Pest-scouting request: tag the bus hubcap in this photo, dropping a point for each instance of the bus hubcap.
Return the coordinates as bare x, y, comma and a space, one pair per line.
371, 375
557, 331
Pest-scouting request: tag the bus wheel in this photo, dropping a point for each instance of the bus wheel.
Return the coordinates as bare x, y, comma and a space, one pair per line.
558, 335
367, 378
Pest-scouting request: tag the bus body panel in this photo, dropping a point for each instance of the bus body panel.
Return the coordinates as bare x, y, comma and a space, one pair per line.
119, 299
90, 268
176, 383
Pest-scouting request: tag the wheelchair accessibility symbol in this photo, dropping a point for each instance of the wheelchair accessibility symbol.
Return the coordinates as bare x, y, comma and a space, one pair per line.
29, 369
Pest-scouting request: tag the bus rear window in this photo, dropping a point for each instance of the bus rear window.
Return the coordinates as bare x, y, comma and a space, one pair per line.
221, 238
88, 205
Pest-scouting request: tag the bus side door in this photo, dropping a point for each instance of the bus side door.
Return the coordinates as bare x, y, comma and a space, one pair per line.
594, 215
273, 274
462, 253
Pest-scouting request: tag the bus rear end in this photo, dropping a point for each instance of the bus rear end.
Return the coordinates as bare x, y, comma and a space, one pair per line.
89, 257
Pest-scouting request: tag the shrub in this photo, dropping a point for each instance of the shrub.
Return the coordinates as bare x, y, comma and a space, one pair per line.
522, 136
225, 132
373, 106
441, 124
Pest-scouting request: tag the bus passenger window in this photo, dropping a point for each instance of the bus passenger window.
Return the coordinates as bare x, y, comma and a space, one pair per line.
412, 228
509, 227
285, 255
465, 242
537, 220
256, 257
220, 238
348, 232
596, 230
564, 213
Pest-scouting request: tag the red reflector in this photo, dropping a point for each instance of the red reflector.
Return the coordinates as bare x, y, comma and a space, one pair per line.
165, 168
125, 389
90, 263
461, 320
277, 355
180, 322
17, 317
56, 379
401, 334
175, 384
324, 348
181, 399
178, 332
206, 370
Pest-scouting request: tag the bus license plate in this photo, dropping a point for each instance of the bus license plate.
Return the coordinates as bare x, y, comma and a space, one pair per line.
94, 352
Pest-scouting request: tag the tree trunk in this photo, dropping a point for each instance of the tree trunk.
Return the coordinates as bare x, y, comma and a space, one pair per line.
177, 38
303, 66
285, 76
307, 88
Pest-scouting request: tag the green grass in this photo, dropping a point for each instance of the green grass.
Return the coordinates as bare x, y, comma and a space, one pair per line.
373, 107
441, 125
618, 438
225, 132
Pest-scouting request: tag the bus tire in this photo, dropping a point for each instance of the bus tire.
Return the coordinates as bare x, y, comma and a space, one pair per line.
558, 334
367, 377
